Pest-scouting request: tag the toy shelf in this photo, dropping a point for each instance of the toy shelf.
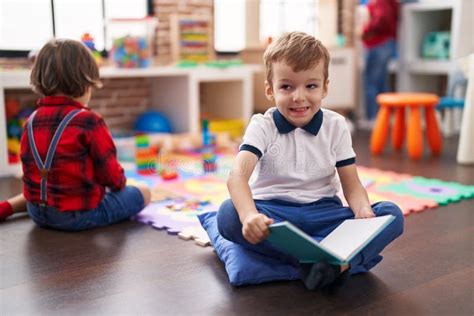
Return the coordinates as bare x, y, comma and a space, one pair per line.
179, 93
417, 20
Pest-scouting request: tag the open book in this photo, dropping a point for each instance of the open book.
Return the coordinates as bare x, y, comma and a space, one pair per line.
339, 247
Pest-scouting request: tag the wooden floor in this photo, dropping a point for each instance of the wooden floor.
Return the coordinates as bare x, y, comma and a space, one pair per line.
131, 269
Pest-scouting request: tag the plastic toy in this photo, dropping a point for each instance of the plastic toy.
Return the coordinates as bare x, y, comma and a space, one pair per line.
169, 175
88, 40
14, 128
145, 156
206, 136
209, 162
131, 52
436, 45
186, 64
13, 145
12, 108
209, 159
16, 117
234, 127
223, 63
12, 158
152, 122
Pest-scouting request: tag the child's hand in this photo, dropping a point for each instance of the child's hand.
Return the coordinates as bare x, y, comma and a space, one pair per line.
255, 227
364, 212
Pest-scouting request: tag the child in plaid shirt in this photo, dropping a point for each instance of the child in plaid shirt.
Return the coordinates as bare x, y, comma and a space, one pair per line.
71, 177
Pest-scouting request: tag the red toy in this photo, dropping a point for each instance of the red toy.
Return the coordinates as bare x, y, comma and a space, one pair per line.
168, 175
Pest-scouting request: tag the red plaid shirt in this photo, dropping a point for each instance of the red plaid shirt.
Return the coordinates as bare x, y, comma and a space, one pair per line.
85, 161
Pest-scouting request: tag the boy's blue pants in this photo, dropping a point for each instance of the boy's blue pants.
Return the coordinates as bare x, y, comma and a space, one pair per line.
114, 207
317, 219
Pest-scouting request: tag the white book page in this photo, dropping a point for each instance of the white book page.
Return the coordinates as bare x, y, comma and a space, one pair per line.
352, 234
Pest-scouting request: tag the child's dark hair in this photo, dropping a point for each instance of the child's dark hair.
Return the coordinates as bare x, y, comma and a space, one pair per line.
66, 67
299, 50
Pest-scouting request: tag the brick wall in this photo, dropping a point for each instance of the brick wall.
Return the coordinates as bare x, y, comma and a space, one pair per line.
120, 101
163, 10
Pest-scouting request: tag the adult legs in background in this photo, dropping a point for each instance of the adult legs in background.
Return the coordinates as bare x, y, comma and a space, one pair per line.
375, 74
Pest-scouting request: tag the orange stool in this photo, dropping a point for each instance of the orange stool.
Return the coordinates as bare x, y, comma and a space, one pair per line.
398, 102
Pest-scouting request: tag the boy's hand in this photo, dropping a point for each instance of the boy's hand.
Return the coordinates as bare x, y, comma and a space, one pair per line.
255, 227
364, 212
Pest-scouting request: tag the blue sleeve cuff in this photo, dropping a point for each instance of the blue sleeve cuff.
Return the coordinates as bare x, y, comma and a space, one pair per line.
252, 149
345, 162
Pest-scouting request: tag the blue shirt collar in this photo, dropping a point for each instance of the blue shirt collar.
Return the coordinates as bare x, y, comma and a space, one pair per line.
285, 127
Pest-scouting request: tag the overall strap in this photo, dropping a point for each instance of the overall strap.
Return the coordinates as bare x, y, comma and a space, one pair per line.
44, 167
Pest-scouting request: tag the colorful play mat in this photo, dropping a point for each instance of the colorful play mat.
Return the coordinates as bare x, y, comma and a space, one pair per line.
176, 202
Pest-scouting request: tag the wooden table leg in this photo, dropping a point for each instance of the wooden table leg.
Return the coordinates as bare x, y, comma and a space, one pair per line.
380, 131
398, 131
415, 135
432, 131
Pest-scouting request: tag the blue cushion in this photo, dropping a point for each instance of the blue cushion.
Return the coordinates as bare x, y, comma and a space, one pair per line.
244, 266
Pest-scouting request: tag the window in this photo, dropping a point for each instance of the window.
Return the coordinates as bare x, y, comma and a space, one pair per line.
28, 24
73, 18
25, 24
229, 25
278, 16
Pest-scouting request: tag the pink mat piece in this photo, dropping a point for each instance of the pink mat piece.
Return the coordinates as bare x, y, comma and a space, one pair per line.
407, 204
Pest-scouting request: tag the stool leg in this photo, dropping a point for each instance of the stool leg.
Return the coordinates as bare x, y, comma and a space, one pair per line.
398, 131
380, 131
448, 122
415, 135
432, 131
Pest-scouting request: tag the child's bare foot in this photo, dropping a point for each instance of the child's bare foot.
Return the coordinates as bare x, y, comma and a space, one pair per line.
5, 210
324, 276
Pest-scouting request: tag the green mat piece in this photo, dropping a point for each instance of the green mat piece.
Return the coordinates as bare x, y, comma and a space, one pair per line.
441, 191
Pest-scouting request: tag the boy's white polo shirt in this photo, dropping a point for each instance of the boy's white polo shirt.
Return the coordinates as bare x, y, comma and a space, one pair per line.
297, 164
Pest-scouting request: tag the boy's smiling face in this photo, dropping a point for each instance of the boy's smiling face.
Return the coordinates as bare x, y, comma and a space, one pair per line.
297, 95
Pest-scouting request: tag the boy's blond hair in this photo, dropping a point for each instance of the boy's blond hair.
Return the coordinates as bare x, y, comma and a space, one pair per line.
64, 67
297, 49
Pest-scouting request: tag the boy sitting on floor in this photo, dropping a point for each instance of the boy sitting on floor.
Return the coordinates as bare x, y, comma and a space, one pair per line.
67, 152
296, 149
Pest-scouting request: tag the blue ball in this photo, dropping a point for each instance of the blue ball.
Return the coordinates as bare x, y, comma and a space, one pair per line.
152, 122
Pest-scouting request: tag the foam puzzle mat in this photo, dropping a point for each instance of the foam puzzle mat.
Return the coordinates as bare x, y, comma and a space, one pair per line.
175, 203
